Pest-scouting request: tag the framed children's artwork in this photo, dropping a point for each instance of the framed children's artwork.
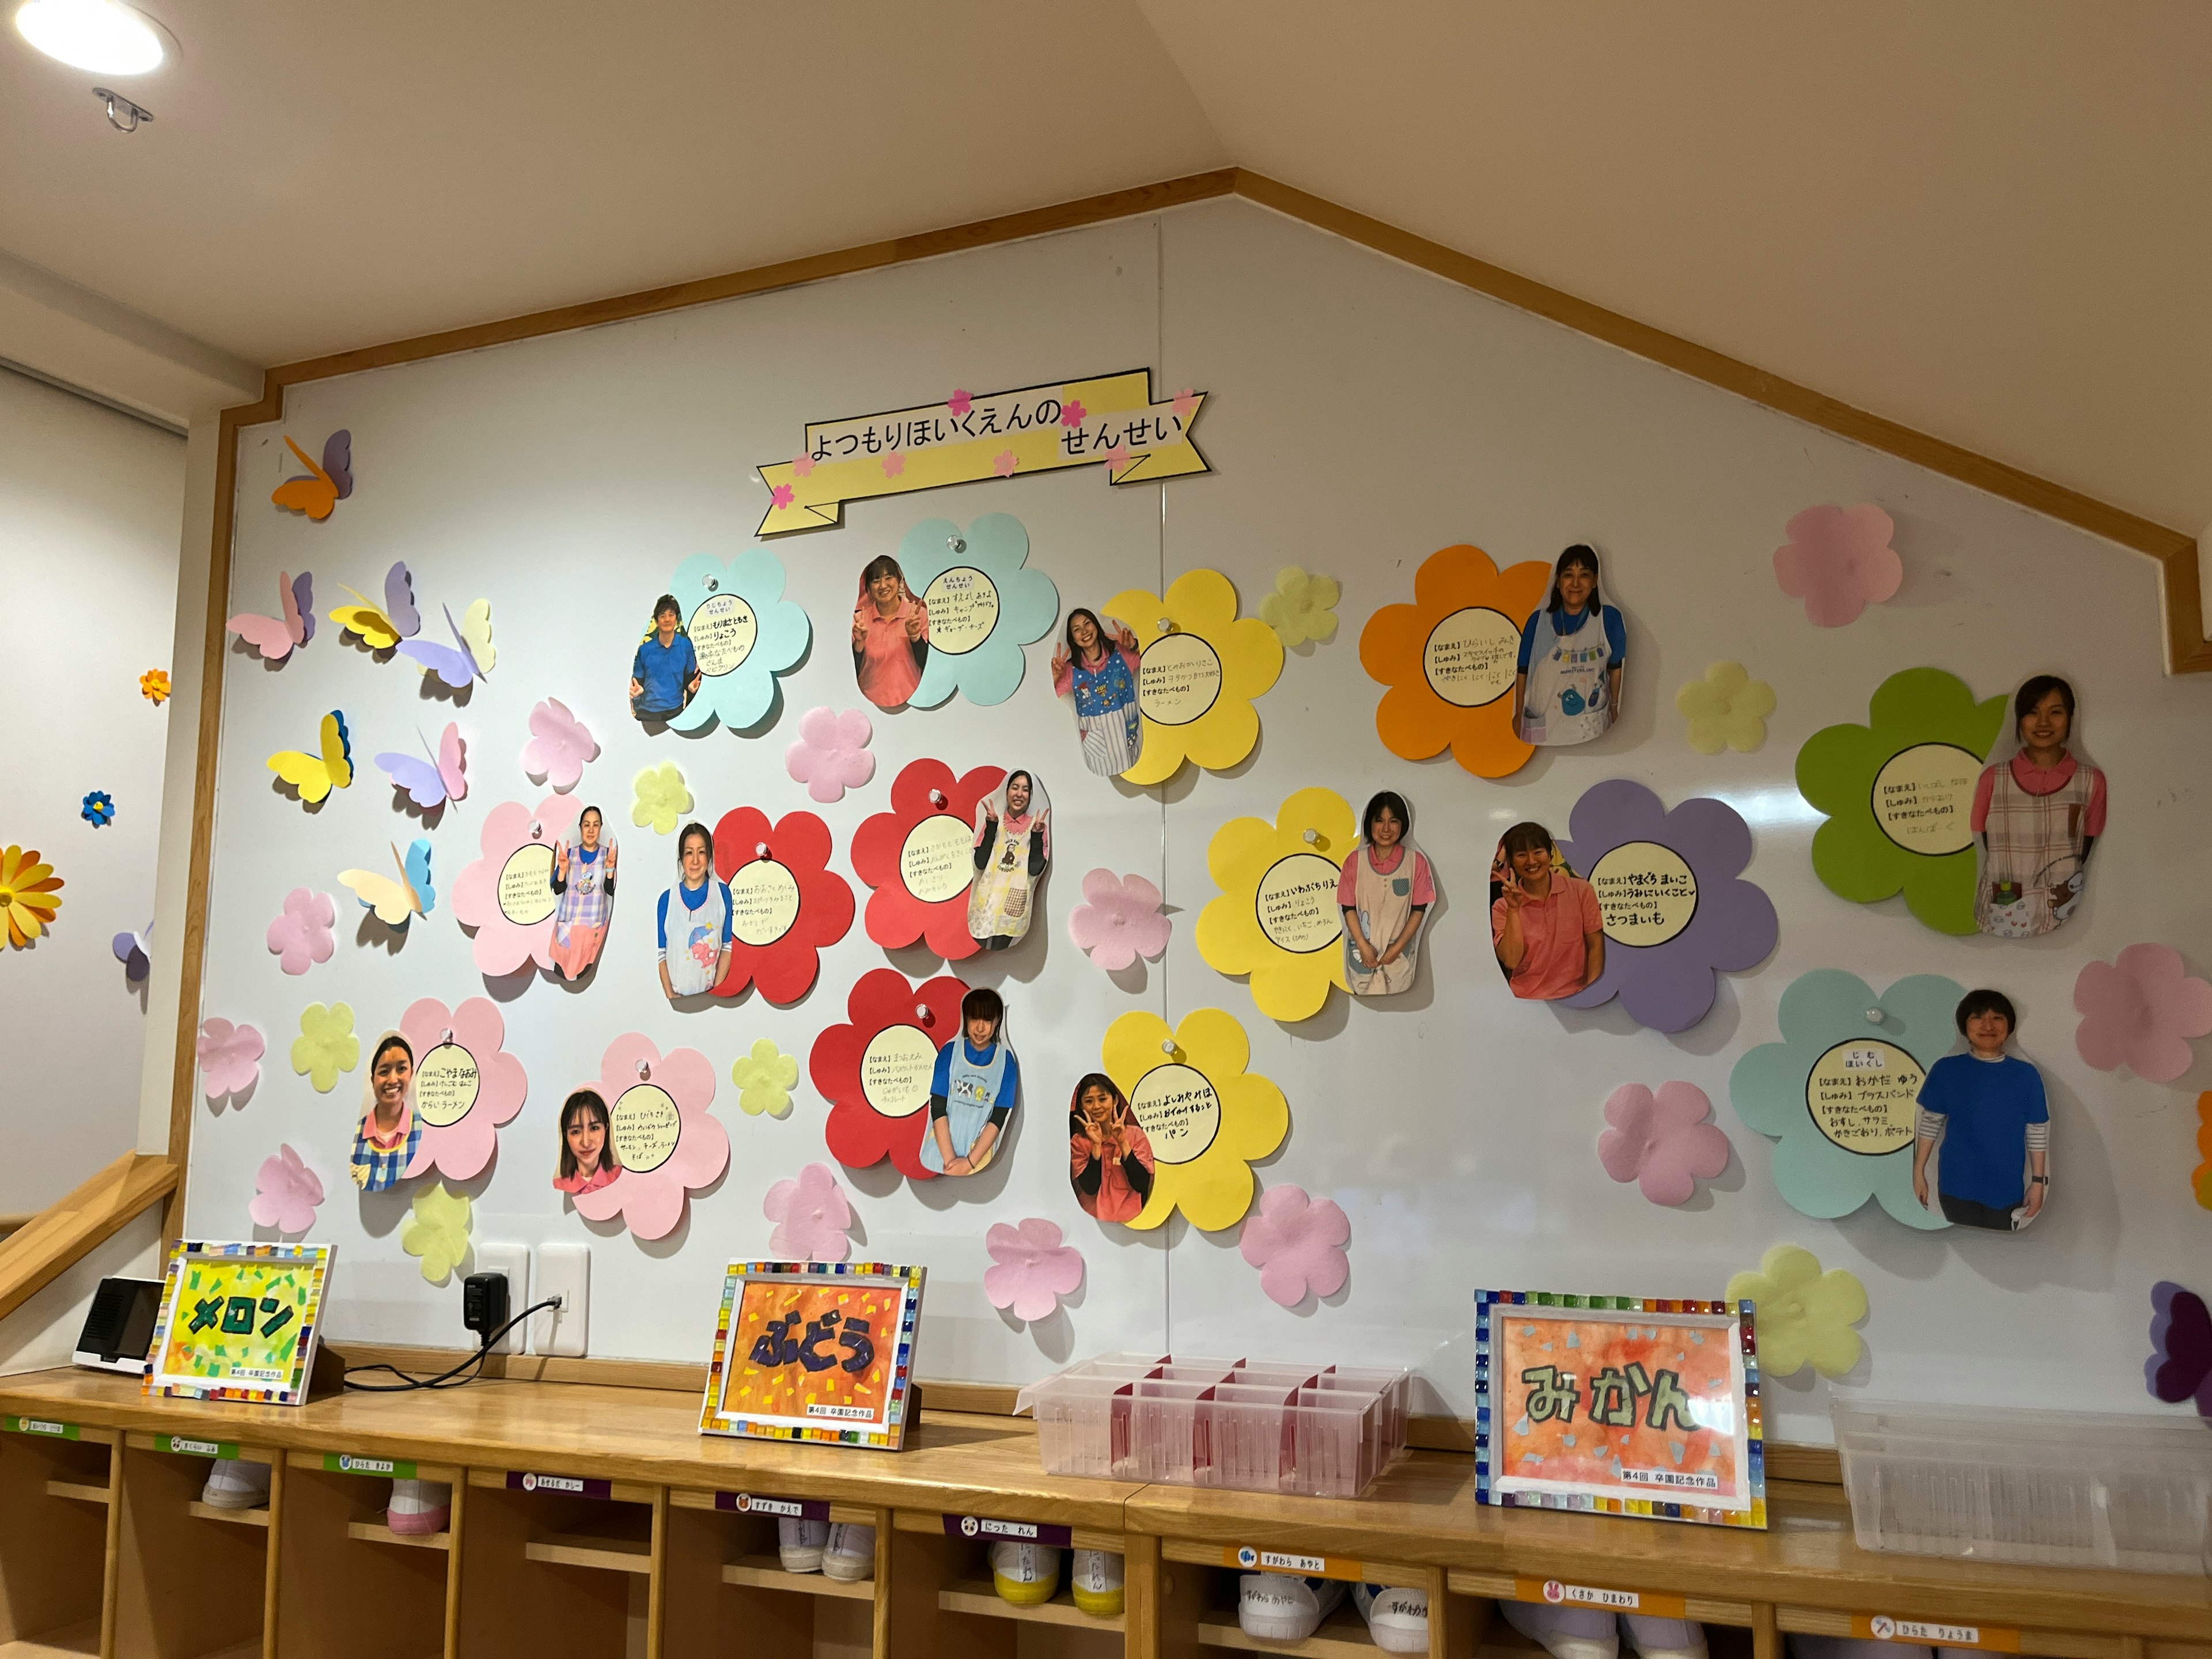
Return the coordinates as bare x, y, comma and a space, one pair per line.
814, 1350
239, 1321
1619, 1405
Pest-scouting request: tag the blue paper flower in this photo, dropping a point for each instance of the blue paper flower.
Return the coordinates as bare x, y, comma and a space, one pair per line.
744, 633
1839, 1090
985, 604
99, 809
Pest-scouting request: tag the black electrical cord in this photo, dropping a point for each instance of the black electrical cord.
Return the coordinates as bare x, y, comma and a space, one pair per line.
447, 1379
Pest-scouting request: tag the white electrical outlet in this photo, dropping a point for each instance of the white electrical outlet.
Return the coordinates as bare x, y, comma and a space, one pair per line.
513, 1261
565, 1271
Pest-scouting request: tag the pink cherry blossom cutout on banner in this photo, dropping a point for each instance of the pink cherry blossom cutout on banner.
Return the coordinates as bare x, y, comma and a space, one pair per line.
960, 401
812, 1214
831, 755
1838, 561
1296, 1241
1118, 920
1034, 1269
2139, 1011
1073, 413
686, 1152
286, 1194
301, 937
1005, 462
1664, 1140
802, 466
559, 746
461, 1113
782, 495
230, 1057
894, 463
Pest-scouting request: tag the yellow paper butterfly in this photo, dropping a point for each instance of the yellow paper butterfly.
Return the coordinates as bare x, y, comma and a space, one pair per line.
314, 778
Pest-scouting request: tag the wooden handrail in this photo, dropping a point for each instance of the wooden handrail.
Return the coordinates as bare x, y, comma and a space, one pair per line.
63, 1233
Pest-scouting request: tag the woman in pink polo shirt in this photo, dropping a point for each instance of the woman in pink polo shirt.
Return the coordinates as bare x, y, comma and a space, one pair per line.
1545, 923
2037, 816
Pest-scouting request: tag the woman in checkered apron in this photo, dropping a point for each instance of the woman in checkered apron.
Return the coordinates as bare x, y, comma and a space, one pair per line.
2037, 816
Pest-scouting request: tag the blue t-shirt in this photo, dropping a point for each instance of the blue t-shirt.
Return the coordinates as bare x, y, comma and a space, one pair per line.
1616, 634
1010, 1082
695, 899
663, 672
1987, 1106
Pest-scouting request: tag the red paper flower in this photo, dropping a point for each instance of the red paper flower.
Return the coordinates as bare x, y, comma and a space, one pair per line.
788, 903
875, 1072
925, 840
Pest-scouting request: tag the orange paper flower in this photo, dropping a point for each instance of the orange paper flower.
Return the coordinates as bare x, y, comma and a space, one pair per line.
27, 895
153, 686
1450, 657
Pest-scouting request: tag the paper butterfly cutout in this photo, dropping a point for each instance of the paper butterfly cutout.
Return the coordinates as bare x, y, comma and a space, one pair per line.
432, 783
469, 657
396, 903
326, 486
382, 630
274, 637
2180, 1364
135, 953
314, 778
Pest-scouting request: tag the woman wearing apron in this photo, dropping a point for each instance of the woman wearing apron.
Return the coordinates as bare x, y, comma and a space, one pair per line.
1014, 844
584, 881
2038, 816
974, 1090
1098, 673
1568, 688
696, 914
1386, 889
891, 635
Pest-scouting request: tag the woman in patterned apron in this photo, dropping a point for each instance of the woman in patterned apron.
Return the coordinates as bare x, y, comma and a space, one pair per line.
973, 1091
1385, 891
2038, 816
584, 878
1098, 673
1014, 844
1568, 686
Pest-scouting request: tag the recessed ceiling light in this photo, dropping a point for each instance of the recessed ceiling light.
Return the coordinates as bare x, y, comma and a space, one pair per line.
102, 35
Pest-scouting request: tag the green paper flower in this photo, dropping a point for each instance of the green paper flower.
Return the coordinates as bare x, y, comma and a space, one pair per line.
1727, 709
325, 1045
438, 1232
1803, 1314
662, 798
764, 1079
1302, 607
1899, 793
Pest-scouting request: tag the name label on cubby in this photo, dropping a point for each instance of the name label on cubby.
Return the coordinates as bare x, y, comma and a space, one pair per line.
1560, 1594
183, 1447
518, 1481
1312, 1566
794, 1508
1028, 1532
1882, 1627
346, 1463
41, 1426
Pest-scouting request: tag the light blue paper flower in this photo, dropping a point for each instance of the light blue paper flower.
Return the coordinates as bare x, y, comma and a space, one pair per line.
1870, 1072
985, 606
744, 632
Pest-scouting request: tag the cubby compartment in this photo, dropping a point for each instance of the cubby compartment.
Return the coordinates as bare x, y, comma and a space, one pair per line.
332, 1532
1727, 1624
192, 1578
941, 1582
722, 1574
553, 1564
55, 1504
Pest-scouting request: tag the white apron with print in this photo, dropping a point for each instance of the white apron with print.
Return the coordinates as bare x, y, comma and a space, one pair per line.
1567, 700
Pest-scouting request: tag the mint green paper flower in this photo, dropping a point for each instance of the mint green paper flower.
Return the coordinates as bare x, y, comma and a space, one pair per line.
662, 798
745, 634
1302, 607
985, 604
325, 1045
764, 1079
438, 1232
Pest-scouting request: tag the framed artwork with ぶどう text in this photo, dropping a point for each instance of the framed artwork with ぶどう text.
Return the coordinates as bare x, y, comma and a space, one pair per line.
814, 1350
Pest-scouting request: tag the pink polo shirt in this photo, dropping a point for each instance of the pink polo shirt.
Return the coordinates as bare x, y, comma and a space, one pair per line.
2041, 780
1553, 927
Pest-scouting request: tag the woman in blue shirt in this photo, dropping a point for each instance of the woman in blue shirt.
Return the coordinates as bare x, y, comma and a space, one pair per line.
1568, 686
697, 911
1988, 1109
973, 1092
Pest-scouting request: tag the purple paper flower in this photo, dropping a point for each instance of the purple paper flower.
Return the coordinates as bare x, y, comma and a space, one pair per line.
2180, 1364
1662, 1141
1296, 1243
1676, 911
810, 1215
1034, 1269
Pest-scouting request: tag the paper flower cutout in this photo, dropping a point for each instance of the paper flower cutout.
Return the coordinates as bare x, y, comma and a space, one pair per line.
764, 1079
1838, 561
506, 896
1803, 1314
1118, 920
1206, 1117
787, 905
1277, 918
1033, 1268
437, 1229
2200, 1180
325, 1045
153, 686
960, 401
1727, 709
301, 936
1004, 463
1202, 665
135, 951
1899, 793
1449, 660
662, 798
2180, 1364
894, 465
559, 746
916, 858
1676, 911
99, 809
2139, 1011
831, 755
466, 1085
1664, 1142
229, 1056
1302, 607
667, 1140
27, 895
985, 604
1840, 1090
1296, 1243
286, 1194
875, 1072
744, 632
810, 1215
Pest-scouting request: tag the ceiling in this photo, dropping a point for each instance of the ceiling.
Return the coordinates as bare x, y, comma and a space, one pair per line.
1988, 219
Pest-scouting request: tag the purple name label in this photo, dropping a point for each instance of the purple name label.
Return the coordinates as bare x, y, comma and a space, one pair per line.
1025, 1532
573, 1485
794, 1508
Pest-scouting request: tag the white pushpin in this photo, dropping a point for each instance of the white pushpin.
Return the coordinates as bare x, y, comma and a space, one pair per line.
937, 798
957, 543
714, 584
1167, 624
922, 1012
760, 849
449, 1035
644, 1070
1874, 1016
537, 831
1167, 1045
1313, 837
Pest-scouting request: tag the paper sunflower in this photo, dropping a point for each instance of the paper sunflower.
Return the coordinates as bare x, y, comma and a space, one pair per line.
1206, 1117
1899, 794
153, 686
99, 809
662, 798
787, 905
1200, 668
1804, 1314
764, 1077
745, 634
1727, 709
658, 1124
1450, 658
916, 857
326, 1045
1302, 607
1277, 918
875, 1072
985, 604
466, 1085
437, 1229
28, 893
506, 896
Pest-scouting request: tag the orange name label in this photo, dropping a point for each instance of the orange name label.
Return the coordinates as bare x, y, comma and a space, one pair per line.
1886, 1627
1253, 1559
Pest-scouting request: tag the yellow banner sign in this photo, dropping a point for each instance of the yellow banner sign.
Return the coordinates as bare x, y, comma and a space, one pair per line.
1110, 420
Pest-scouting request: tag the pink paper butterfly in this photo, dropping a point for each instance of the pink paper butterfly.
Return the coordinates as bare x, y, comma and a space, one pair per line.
429, 784
275, 637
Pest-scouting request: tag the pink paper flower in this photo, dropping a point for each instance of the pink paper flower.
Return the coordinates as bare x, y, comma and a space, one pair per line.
286, 1194
1035, 1268
1298, 1244
959, 403
506, 896
1005, 462
1185, 401
467, 1085
230, 1057
1073, 413
1662, 1141
2140, 1010
301, 937
802, 466
894, 465
831, 755
781, 494
1118, 457
810, 1215
665, 1157
1838, 561
559, 746
1118, 920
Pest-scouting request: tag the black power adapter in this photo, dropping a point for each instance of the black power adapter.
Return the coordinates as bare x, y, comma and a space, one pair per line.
484, 1305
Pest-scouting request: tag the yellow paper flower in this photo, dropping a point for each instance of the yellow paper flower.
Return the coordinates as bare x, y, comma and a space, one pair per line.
438, 1231
662, 798
1205, 1116
1302, 607
153, 686
1202, 667
764, 1079
1727, 709
1803, 1314
325, 1045
28, 893
1277, 918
